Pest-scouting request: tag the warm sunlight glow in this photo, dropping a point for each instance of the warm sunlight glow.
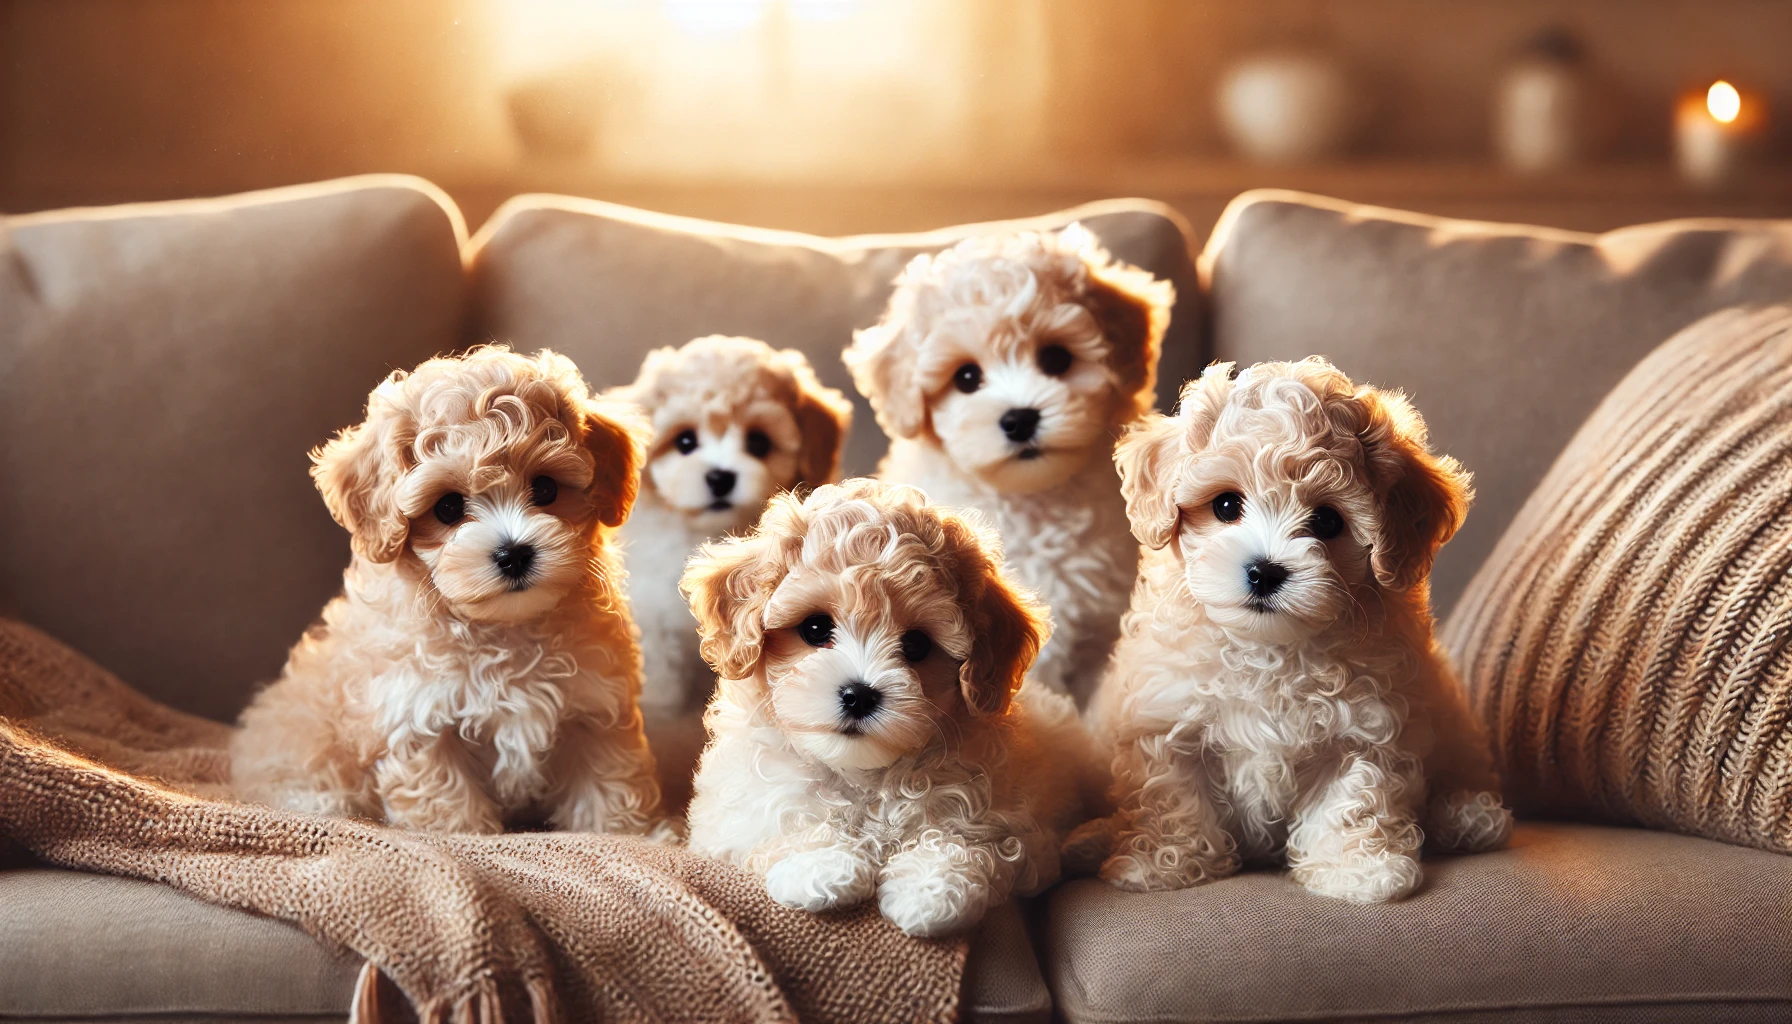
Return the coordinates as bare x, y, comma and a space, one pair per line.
1724, 102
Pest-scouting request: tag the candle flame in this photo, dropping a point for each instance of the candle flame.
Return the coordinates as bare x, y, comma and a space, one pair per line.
1724, 102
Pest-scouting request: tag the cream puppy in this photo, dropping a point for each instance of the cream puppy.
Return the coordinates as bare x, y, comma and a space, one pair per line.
734, 422
1277, 692
479, 667
1003, 370
866, 734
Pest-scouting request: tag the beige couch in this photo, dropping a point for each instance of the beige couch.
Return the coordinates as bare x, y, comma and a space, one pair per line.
163, 370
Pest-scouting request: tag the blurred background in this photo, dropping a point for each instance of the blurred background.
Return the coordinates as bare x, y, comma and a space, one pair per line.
845, 116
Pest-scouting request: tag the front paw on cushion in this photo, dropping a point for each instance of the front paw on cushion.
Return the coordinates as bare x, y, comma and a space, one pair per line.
929, 899
816, 880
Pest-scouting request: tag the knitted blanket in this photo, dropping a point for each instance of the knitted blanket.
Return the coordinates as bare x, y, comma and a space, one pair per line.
532, 927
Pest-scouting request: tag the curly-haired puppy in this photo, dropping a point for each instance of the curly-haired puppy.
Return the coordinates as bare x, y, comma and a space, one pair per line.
479, 666
866, 734
1277, 690
1003, 370
734, 422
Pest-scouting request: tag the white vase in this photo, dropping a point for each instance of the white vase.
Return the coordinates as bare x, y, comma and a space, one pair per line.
1289, 106
1541, 102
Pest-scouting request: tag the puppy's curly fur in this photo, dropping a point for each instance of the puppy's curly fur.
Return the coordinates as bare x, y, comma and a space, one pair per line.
867, 736
479, 666
734, 422
1003, 370
1277, 690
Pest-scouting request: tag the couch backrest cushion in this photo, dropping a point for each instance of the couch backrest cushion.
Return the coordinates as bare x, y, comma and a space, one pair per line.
1504, 336
605, 284
164, 369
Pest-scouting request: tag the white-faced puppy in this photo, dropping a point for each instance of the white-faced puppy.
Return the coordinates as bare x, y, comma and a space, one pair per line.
1277, 691
479, 667
866, 734
734, 422
1003, 370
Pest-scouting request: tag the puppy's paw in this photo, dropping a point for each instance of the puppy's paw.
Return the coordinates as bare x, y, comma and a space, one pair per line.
929, 899
821, 879
1363, 878
1142, 863
1466, 821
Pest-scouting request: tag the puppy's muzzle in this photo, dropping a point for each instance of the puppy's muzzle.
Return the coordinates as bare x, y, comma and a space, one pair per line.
514, 560
859, 701
1265, 578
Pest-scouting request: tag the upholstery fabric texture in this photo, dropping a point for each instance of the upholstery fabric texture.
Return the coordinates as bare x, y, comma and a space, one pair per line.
605, 284
1504, 336
462, 928
1570, 923
1629, 643
164, 369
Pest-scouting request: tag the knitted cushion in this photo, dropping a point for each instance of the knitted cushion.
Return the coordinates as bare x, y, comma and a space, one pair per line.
1627, 642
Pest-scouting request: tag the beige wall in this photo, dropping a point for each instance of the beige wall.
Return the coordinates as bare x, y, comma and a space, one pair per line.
106, 100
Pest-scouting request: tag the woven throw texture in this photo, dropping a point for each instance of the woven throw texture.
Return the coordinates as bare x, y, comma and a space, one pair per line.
468, 929
1627, 642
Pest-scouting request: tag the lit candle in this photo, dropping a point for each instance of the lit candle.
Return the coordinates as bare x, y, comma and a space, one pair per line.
1714, 131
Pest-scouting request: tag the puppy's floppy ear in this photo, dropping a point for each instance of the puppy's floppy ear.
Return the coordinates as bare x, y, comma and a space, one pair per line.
1149, 455
823, 415
614, 436
1146, 457
358, 471
883, 360
1008, 627
1133, 310
728, 583
1424, 497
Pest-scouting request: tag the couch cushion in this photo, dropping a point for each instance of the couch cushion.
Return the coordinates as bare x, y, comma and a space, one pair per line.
1504, 336
94, 947
1626, 643
1571, 923
605, 284
81, 945
164, 369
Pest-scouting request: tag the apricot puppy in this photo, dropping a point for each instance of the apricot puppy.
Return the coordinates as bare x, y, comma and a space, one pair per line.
478, 668
867, 736
1277, 692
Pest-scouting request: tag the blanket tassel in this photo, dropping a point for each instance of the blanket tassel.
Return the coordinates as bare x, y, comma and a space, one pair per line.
365, 1008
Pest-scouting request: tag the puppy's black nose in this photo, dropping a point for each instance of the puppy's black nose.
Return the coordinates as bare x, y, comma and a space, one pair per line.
720, 482
1020, 424
1265, 578
514, 560
859, 701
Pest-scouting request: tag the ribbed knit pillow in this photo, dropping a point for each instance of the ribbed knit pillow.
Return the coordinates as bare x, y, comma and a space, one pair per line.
1629, 642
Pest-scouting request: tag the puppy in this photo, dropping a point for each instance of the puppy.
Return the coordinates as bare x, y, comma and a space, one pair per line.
1277, 691
866, 734
734, 421
479, 667
1003, 370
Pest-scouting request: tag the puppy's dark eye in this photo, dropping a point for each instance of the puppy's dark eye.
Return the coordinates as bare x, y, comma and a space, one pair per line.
968, 378
450, 508
685, 442
817, 630
1228, 507
758, 444
1325, 522
1055, 360
916, 646
543, 490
